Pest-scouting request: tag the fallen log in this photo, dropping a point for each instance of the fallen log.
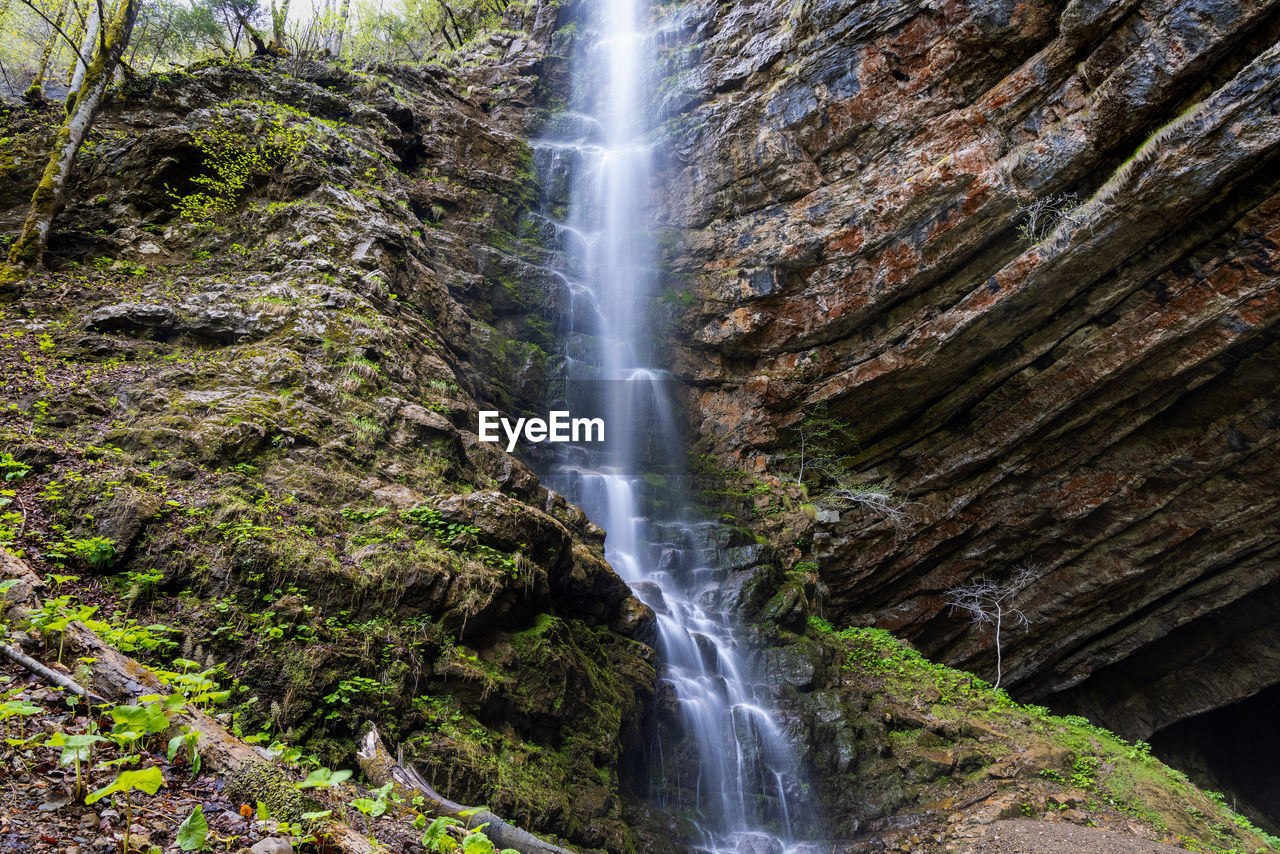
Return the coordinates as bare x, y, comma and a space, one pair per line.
380, 767
249, 774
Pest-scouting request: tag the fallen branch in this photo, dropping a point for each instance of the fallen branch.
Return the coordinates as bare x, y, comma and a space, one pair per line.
118, 678
381, 768
47, 674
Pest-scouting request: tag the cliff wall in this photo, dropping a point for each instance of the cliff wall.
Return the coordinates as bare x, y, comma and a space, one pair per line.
1092, 395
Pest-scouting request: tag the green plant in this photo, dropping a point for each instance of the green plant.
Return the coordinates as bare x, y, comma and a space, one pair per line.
55, 614
362, 516
134, 724
97, 552
188, 739
199, 688
77, 750
148, 780
818, 624
13, 470
325, 779
349, 689
1084, 771
11, 709
1141, 750
234, 156
193, 831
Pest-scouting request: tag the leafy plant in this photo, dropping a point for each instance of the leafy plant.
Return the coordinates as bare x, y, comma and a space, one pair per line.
436, 838
188, 739
95, 552
16, 709
362, 516
193, 832
233, 157
13, 470
77, 750
325, 779
147, 780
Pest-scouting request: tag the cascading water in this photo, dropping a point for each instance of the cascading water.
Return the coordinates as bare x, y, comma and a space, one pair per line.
747, 795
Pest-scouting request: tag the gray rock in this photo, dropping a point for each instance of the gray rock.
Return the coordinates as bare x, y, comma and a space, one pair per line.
272, 845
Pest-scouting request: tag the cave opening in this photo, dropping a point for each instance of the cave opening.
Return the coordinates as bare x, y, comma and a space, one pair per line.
1235, 750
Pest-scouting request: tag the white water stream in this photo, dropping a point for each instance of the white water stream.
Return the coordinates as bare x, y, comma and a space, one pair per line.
748, 791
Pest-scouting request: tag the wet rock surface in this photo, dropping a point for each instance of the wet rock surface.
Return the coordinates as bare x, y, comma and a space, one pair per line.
1094, 398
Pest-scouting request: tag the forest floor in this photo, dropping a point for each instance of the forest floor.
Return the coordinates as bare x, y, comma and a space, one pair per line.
38, 807
41, 810
1023, 836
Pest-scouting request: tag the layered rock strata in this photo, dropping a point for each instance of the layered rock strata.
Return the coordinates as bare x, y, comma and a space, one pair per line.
1092, 394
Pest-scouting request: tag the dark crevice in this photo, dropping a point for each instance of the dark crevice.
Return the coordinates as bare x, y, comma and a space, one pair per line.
1234, 750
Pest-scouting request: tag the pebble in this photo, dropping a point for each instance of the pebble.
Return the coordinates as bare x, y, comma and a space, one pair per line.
273, 845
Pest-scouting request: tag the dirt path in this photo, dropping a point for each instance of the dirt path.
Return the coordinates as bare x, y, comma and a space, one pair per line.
1024, 836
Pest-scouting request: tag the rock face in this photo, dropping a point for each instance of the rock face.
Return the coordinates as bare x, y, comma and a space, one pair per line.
1092, 394
909, 755
265, 398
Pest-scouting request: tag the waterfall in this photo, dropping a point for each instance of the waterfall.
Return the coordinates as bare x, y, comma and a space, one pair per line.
596, 161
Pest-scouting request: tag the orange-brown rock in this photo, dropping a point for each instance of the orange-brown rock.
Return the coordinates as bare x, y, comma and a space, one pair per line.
1097, 400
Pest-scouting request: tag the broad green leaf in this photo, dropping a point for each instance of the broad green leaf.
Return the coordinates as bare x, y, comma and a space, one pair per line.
147, 780
148, 719
437, 838
477, 843
77, 747
193, 832
324, 777
18, 707
316, 816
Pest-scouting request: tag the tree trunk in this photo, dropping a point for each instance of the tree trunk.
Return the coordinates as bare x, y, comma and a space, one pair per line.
88, 49
28, 251
343, 13
380, 767
76, 33
36, 89
279, 17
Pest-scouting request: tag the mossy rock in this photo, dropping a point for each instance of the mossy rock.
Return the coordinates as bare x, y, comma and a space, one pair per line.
260, 781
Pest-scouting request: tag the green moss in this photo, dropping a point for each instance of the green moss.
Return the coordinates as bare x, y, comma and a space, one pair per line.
923, 706
259, 781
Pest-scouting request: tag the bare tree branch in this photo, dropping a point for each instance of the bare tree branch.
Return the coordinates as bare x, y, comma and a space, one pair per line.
989, 602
